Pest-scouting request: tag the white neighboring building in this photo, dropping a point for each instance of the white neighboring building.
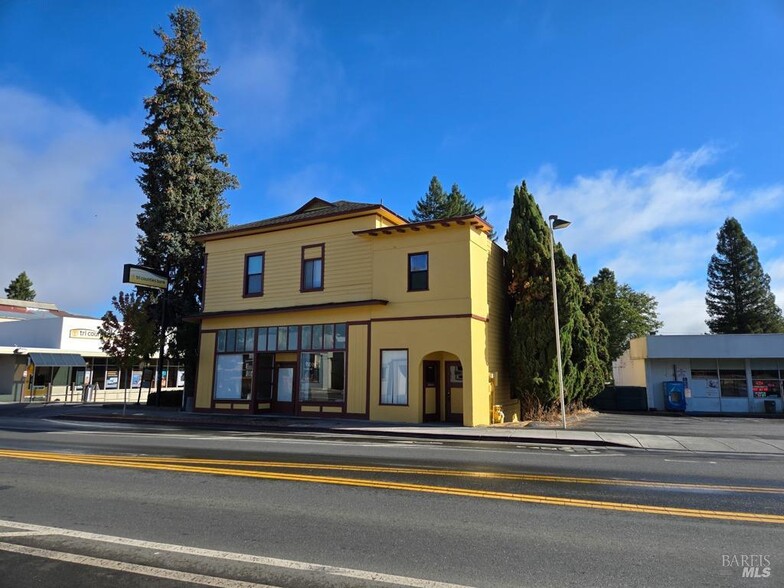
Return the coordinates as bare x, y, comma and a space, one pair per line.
721, 373
59, 357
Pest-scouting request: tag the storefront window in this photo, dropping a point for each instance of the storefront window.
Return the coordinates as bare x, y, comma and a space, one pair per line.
233, 373
322, 377
766, 379
317, 339
293, 338
235, 340
340, 336
322, 371
732, 379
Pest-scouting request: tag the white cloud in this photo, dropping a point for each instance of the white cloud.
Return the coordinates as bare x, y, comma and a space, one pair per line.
775, 269
682, 308
275, 73
69, 200
655, 225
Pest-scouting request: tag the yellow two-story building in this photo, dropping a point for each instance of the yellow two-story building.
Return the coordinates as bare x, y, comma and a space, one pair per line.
344, 309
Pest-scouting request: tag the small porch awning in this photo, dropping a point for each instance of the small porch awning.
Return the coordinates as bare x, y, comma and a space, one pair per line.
56, 359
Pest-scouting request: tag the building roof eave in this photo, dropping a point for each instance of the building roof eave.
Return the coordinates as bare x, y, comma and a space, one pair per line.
469, 220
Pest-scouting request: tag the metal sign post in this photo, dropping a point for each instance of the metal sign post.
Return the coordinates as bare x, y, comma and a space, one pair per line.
149, 278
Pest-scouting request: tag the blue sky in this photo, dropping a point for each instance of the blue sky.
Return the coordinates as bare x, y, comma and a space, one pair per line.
644, 123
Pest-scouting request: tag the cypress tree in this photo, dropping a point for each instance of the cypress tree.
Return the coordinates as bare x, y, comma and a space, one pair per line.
182, 176
531, 333
21, 288
739, 299
596, 367
533, 359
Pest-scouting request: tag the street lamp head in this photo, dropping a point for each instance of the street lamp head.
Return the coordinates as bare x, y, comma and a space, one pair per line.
558, 223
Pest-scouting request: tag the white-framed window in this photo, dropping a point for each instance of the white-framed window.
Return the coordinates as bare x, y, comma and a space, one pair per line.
233, 374
322, 376
394, 376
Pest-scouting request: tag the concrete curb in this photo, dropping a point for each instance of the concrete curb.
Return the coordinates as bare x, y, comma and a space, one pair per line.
358, 431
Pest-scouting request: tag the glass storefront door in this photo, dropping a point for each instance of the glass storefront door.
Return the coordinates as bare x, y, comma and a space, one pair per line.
285, 393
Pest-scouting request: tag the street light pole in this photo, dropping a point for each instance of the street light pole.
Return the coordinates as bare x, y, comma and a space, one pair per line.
555, 224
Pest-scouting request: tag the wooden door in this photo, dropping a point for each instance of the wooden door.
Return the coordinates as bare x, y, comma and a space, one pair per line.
454, 391
431, 390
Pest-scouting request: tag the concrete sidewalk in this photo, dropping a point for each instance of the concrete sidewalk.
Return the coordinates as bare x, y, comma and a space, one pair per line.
749, 443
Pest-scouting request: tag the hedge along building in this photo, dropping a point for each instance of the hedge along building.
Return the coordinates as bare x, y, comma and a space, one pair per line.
346, 309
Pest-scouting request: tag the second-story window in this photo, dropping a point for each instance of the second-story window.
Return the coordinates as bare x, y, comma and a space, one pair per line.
254, 274
312, 268
417, 271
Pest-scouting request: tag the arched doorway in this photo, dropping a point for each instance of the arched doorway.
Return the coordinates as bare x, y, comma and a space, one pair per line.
442, 387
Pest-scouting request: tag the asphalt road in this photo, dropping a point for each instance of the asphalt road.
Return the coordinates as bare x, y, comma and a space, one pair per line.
91, 504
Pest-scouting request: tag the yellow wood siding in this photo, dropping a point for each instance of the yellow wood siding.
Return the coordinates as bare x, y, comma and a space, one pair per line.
205, 377
347, 266
356, 401
449, 290
497, 331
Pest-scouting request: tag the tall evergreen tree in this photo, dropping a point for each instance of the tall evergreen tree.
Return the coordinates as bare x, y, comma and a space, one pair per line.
182, 175
457, 204
21, 288
597, 370
437, 204
432, 205
739, 298
625, 312
532, 334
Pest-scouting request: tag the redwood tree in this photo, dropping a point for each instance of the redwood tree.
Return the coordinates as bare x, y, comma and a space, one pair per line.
739, 298
532, 333
182, 175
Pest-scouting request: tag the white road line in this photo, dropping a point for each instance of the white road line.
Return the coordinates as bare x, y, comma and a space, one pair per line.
122, 566
23, 533
689, 461
597, 455
230, 556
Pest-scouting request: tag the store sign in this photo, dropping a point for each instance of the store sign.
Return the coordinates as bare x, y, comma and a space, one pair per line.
84, 334
142, 276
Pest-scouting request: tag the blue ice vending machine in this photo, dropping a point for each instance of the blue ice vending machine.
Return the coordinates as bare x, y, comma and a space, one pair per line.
675, 396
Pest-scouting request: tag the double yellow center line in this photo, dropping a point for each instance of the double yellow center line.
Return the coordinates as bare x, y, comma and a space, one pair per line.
212, 467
